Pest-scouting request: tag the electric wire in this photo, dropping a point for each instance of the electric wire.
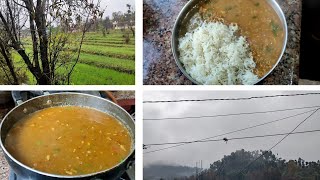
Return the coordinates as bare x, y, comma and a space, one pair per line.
231, 132
232, 99
291, 132
253, 137
231, 114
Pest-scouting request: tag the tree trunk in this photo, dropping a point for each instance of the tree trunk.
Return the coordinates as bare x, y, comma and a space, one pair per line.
34, 40
41, 27
131, 28
16, 45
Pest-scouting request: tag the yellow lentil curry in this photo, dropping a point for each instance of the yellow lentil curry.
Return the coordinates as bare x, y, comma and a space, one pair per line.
69, 140
257, 21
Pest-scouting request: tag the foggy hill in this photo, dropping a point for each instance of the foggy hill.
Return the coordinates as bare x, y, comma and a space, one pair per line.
168, 172
265, 166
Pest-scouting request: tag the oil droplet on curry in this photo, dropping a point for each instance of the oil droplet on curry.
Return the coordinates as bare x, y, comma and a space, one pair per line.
69, 140
257, 21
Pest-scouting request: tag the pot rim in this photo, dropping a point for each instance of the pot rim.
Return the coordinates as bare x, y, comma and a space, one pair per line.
186, 9
63, 176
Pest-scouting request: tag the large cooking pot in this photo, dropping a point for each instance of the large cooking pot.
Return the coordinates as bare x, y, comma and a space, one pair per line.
63, 99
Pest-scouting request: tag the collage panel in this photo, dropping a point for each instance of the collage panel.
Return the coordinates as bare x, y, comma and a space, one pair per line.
67, 135
74, 42
227, 42
216, 135
71, 89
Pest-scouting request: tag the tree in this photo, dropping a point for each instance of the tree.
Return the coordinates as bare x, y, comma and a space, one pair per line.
269, 166
129, 18
6, 63
118, 17
47, 20
107, 23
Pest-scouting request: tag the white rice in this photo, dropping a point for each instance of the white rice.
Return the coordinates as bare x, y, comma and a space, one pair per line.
213, 54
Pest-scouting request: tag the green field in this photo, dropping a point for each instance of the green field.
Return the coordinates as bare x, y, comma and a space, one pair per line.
103, 60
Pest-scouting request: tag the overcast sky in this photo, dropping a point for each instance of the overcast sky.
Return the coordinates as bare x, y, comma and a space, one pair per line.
116, 5
305, 146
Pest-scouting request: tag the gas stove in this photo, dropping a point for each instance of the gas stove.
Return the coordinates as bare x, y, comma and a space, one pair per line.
128, 175
25, 95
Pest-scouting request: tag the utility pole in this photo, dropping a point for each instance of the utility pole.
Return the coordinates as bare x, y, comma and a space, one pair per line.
196, 170
201, 170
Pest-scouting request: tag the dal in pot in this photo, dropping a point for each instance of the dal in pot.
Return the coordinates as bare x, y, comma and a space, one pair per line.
69, 140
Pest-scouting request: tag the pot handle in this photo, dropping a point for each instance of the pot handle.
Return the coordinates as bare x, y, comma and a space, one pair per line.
40, 93
16, 96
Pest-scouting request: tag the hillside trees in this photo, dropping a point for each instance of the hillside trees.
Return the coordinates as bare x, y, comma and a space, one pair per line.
234, 167
47, 42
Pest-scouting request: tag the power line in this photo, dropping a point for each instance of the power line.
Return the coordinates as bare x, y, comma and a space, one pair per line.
250, 137
231, 132
232, 99
162, 149
286, 135
253, 137
231, 114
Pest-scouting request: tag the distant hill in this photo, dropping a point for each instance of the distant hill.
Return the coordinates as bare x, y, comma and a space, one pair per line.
168, 172
262, 165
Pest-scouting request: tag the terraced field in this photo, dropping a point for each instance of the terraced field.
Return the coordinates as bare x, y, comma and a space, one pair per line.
103, 60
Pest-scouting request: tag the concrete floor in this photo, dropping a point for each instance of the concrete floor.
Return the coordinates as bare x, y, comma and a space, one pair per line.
308, 82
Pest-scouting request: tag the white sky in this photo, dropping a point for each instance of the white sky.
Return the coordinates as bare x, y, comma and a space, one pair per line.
112, 6
116, 5
305, 146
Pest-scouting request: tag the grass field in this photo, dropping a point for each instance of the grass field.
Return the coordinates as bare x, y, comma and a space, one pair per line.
103, 60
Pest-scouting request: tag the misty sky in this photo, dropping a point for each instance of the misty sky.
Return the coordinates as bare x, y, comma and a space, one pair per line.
116, 5
305, 146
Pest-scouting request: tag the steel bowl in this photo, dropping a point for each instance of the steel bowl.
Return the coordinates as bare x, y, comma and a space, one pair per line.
66, 99
187, 12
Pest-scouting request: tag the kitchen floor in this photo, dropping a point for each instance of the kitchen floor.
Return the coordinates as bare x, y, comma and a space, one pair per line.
308, 82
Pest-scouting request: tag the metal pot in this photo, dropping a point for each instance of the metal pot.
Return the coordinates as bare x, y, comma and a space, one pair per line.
65, 99
192, 7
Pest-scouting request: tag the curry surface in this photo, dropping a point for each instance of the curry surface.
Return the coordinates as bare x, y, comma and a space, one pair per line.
69, 140
257, 21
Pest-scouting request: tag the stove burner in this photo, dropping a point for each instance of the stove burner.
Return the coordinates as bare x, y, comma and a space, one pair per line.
128, 175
